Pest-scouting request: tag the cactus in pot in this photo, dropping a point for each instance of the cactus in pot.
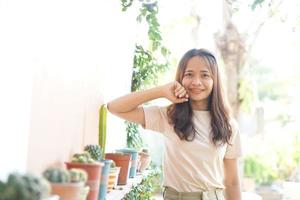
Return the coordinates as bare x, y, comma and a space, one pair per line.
95, 151
102, 128
77, 175
92, 167
68, 184
25, 187
57, 175
84, 157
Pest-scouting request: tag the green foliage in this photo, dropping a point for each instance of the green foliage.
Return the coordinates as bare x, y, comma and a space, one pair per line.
126, 4
246, 94
95, 151
270, 87
256, 3
271, 159
146, 189
134, 139
146, 69
84, 157
258, 168
24, 187
148, 62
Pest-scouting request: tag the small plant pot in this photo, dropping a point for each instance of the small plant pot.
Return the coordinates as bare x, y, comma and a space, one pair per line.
104, 179
67, 191
134, 159
94, 175
113, 178
84, 193
122, 161
144, 162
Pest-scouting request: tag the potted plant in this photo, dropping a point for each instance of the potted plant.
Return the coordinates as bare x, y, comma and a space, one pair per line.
96, 154
67, 184
134, 158
113, 176
24, 187
93, 168
123, 161
144, 160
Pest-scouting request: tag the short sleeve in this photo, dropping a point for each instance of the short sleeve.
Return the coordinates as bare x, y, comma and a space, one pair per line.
155, 118
234, 149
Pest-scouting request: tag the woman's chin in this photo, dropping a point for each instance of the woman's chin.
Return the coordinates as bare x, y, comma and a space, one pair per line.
198, 98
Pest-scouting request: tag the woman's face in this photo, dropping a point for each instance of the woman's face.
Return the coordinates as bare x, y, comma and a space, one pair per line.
197, 80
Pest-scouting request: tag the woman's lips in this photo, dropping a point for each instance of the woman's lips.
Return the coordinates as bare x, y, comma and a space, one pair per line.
196, 91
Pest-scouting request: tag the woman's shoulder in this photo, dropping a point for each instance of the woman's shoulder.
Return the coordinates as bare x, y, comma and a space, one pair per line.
162, 110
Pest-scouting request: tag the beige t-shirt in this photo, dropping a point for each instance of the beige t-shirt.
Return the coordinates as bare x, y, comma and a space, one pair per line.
192, 166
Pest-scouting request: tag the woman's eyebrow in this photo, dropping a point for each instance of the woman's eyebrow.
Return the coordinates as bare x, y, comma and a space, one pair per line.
204, 70
190, 70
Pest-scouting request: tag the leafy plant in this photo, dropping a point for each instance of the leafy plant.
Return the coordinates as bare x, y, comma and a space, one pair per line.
24, 187
257, 168
148, 62
144, 190
134, 139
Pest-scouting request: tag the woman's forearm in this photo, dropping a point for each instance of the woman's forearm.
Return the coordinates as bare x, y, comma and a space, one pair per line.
133, 100
233, 192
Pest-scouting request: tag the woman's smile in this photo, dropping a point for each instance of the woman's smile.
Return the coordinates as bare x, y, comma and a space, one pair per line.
196, 91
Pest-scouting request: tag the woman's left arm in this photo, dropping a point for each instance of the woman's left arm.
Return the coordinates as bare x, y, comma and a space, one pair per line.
232, 180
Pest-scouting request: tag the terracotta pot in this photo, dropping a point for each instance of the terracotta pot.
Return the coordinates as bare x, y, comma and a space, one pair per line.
134, 159
144, 161
94, 175
123, 161
67, 191
113, 178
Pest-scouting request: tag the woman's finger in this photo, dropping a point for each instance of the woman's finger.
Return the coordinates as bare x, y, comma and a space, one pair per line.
181, 93
181, 100
179, 90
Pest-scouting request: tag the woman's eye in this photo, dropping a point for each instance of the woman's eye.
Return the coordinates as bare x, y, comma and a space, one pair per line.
188, 74
206, 75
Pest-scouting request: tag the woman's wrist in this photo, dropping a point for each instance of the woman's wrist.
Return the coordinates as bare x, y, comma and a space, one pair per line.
159, 92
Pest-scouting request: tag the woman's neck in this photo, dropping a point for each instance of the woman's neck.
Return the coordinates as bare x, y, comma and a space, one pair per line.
199, 105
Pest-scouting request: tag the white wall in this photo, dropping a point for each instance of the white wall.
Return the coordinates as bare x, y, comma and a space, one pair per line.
61, 59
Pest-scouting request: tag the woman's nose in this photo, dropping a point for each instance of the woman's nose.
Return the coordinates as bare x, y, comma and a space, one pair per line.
197, 81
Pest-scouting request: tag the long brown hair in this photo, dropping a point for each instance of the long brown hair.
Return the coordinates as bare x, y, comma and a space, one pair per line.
180, 115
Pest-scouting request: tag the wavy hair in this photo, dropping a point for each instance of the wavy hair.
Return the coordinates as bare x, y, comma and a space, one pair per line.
180, 115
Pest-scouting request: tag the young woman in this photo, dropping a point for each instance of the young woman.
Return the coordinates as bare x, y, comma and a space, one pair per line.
202, 141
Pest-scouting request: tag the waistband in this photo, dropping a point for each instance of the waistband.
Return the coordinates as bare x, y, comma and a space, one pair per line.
172, 194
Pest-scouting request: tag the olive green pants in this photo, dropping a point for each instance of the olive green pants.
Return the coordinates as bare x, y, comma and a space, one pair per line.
171, 194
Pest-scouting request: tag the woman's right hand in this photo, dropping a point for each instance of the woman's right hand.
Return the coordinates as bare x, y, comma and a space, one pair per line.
175, 92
